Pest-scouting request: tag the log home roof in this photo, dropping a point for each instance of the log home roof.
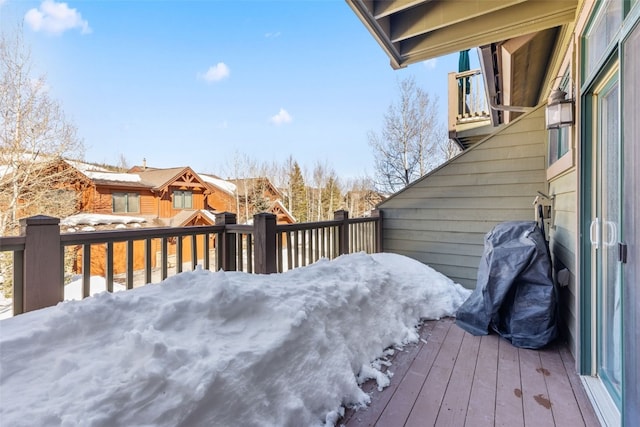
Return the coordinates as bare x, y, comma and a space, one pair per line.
161, 179
154, 178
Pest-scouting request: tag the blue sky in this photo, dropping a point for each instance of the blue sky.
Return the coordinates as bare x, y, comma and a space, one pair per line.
194, 83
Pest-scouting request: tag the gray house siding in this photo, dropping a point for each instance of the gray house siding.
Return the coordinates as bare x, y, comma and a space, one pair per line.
562, 243
442, 218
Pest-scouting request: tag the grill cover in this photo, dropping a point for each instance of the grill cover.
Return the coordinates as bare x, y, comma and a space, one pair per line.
515, 295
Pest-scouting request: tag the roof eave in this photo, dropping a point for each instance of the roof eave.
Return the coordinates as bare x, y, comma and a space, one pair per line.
377, 32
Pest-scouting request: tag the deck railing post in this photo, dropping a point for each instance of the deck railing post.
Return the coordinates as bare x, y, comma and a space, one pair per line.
343, 231
265, 247
42, 262
226, 244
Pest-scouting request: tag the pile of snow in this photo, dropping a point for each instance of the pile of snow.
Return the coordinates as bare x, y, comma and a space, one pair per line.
224, 348
97, 284
99, 219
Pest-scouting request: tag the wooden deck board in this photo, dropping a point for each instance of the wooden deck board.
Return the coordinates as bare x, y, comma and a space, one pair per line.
535, 397
508, 387
482, 402
451, 378
564, 407
427, 405
453, 409
401, 364
399, 407
586, 409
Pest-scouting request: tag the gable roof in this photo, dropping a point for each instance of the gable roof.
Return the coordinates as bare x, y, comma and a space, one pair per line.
186, 217
160, 179
281, 212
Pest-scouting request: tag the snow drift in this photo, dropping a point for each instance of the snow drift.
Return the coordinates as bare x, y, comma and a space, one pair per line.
224, 348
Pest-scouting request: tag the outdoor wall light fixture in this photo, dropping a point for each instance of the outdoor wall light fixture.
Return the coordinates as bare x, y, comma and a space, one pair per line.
560, 110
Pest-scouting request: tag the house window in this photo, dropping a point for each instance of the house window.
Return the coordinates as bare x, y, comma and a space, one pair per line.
559, 138
558, 144
125, 202
601, 33
182, 199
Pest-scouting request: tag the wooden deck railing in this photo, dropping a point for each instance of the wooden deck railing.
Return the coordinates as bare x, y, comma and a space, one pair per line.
467, 98
264, 247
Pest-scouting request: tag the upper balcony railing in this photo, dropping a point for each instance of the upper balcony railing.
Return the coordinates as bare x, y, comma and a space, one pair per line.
42, 255
468, 108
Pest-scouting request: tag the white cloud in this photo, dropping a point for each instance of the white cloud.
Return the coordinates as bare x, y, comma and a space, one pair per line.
272, 35
281, 118
215, 73
55, 18
430, 64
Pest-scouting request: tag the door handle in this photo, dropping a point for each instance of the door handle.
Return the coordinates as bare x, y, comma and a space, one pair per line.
612, 233
594, 233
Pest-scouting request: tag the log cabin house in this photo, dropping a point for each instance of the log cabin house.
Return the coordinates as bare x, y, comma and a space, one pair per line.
171, 197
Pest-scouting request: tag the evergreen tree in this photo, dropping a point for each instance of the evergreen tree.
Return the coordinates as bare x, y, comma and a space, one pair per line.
298, 194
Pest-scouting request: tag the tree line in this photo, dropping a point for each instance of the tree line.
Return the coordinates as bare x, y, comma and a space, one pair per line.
411, 142
308, 194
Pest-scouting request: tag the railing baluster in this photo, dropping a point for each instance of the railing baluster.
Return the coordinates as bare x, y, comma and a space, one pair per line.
296, 263
240, 251
194, 252
250, 251
129, 264
18, 282
147, 261
164, 258
279, 251
304, 247
205, 250
289, 250
109, 266
178, 254
86, 270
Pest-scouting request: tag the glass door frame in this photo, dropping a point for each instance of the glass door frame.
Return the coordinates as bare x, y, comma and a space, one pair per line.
600, 269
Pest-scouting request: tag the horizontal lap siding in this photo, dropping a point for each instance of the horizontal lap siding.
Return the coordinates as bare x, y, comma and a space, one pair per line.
442, 218
563, 238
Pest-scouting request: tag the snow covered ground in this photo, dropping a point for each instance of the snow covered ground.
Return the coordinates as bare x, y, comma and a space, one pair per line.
224, 349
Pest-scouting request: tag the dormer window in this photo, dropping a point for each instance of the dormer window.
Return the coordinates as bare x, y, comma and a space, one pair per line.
182, 199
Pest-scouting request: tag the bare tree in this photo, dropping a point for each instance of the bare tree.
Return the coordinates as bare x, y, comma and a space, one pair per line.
450, 150
361, 196
123, 164
34, 133
319, 181
35, 137
407, 146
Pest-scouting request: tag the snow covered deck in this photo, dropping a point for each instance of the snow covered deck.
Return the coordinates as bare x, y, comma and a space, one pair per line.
454, 378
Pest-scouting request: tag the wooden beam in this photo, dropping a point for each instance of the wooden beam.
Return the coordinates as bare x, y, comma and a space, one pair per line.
382, 8
435, 15
502, 25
